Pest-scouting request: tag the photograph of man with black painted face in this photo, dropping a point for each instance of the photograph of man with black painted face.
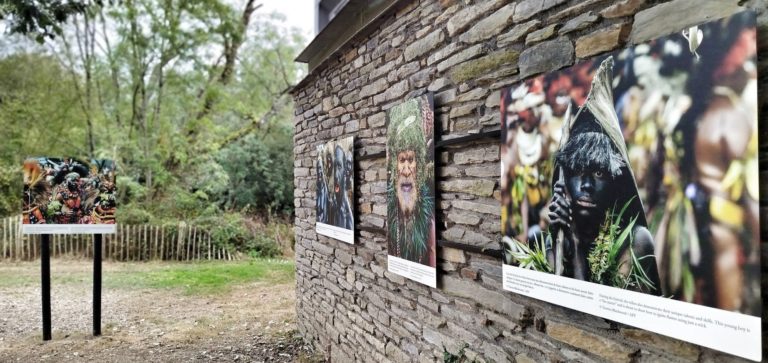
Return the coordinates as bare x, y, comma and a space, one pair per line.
335, 186
639, 170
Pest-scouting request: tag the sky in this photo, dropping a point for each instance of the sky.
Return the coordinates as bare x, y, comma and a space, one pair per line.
299, 14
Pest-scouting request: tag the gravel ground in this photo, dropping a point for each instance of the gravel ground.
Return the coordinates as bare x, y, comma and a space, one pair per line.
253, 322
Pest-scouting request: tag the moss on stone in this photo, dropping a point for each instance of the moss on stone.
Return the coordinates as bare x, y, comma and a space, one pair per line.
477, 67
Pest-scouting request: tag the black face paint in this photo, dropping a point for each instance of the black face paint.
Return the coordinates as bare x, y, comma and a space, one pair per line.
339, 171
590, 190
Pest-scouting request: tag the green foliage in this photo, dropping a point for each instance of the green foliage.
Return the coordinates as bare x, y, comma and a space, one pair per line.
131, 214
39, 113
519, 253
227, 230
262, 245
190, 143
260, 171
10, 190
230, 230
605, 257
40, 19
129, 189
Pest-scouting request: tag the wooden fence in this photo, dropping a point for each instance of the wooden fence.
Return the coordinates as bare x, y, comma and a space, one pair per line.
180, 242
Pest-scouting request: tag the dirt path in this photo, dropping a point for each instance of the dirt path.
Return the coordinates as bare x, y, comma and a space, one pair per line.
252, 322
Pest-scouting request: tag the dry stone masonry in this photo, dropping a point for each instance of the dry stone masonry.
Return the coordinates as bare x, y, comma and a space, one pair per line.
464, 51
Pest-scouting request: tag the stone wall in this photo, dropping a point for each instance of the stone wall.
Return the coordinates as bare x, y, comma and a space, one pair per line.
464, 51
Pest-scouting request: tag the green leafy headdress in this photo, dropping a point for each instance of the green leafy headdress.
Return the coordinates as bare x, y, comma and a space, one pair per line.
405, 132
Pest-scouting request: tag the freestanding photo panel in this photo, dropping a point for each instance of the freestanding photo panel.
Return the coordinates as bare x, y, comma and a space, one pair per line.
630, 187
335, 190
411, 239
69, 196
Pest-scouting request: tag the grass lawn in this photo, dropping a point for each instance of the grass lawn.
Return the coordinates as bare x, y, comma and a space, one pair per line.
205, 277
192, 278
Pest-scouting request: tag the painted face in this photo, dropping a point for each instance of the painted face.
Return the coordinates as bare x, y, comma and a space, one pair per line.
406, 181
589, 190
72, 184
530, 119
339, 170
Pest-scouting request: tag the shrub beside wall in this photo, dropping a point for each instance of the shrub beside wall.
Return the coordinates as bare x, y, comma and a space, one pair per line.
348, 305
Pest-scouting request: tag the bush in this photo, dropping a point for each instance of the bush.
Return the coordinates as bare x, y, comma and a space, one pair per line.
131, 214
10, 190
262, 245
230, 230
129, 190
260, 173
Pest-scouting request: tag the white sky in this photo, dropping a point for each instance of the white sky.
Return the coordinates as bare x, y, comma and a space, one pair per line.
299, 14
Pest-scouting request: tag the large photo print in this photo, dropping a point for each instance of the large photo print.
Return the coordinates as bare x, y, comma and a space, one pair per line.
68, 195
335, 188
636, 176
411, 190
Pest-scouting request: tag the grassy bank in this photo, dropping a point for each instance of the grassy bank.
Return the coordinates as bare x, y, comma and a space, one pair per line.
191, 278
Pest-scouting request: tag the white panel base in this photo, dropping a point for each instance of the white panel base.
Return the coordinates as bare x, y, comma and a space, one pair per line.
341, 234
726, 331
68, 228
415, 271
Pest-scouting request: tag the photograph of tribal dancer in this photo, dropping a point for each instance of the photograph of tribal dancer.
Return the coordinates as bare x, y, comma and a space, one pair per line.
639, 169
69, 191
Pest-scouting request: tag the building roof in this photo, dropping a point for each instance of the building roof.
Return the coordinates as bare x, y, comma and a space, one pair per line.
357, 18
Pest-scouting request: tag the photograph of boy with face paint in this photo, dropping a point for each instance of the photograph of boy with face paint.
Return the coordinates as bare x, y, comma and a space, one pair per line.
69, 191
647, 163
335, 186
410, 181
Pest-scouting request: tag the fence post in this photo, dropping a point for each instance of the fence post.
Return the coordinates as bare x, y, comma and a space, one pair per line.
162, 242
144, 253
179, 239
4, 238
17, 247
155, 242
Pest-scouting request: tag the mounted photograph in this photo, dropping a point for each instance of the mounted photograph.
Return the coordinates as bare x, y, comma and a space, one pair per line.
411, 242
335, 190
630, 186
68, 195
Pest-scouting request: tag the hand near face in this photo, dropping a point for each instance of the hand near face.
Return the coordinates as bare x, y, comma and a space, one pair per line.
560, 209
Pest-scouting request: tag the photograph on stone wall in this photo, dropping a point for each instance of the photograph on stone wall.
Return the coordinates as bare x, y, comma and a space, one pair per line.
68, 195
411, 190
335, 189
638, 171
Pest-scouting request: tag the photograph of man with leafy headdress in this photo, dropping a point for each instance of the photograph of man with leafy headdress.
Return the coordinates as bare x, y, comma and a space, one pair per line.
410, 181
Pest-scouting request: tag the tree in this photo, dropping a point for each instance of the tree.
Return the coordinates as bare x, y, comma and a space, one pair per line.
37, 115
168, 87
40, 19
